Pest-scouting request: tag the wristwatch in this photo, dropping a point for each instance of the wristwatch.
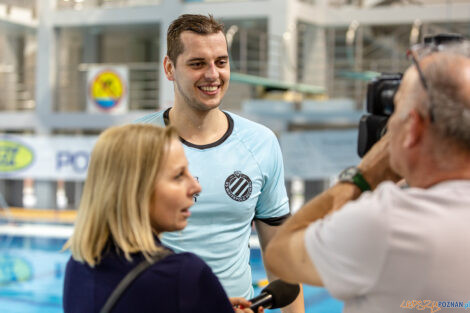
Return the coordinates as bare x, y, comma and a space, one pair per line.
353, 175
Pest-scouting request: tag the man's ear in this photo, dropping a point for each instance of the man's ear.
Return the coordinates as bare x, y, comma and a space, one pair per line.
169, 68
415, 128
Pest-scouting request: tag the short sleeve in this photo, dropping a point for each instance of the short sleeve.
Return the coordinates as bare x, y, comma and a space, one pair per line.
200, 290
348, 247
273, 201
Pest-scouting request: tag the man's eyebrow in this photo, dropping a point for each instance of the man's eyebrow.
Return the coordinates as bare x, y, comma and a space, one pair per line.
195, 59
222, 57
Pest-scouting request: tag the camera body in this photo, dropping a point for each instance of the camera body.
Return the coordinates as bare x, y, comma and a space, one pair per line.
380, 96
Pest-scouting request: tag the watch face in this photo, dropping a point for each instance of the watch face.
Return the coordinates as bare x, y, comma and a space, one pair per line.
348, 174
353, 175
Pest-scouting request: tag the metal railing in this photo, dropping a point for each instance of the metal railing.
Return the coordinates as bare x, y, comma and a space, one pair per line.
17, 88
363, 3
81, 4
29, 4
249, 52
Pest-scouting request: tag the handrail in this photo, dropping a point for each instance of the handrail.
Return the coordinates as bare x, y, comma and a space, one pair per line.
131, 66
267, 82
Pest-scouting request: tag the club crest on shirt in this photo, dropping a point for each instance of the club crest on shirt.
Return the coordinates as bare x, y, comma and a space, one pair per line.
238, 186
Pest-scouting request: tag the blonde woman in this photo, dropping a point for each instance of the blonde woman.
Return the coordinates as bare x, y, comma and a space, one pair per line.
138, 186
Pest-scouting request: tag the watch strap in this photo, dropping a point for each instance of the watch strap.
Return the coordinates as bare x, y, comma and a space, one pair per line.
354, 176
361, 182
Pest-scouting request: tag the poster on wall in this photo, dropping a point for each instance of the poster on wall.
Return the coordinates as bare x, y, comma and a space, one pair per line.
107, 89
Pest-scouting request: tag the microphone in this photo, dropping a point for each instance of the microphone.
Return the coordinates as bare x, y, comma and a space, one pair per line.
277, 294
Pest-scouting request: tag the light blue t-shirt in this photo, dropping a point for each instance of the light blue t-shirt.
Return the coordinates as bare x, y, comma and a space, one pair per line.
242, 178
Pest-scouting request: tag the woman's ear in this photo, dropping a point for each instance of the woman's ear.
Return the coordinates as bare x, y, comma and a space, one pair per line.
169, 68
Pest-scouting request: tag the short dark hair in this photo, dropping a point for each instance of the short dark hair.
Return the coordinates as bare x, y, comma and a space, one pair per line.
196, 23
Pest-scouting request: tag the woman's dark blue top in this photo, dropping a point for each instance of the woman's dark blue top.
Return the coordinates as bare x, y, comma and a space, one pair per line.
179, 283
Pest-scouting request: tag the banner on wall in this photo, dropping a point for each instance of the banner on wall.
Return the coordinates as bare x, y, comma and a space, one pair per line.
316, 155
107, 89
47, 158
308, 155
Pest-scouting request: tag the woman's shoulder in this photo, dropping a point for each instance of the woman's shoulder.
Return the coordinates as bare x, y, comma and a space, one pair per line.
186, 267
187, 260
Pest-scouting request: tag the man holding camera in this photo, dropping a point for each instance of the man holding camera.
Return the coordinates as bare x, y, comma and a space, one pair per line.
396, 247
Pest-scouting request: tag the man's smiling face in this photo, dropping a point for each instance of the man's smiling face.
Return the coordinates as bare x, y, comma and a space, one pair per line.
202, 71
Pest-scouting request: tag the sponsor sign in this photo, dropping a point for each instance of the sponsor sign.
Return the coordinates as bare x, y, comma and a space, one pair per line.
14, 156
307, 155
42, 157
108, 89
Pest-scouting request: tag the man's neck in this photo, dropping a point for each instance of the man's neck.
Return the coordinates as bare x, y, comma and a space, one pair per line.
199, 127
455, 166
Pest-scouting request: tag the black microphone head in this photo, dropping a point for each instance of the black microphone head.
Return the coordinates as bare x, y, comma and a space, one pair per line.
283, 293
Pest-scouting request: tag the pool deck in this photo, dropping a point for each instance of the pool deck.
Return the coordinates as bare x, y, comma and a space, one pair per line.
37, 223
38, 215
49, 223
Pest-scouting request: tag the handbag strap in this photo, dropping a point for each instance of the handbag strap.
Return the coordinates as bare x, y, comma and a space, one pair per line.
130, 277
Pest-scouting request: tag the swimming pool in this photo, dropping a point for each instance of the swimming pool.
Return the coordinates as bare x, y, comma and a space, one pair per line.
31, 274
32, 271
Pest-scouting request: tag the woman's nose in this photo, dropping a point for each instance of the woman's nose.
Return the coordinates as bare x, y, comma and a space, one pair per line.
195, 186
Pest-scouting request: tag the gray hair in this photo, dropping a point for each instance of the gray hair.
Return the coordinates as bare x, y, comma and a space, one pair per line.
448, 77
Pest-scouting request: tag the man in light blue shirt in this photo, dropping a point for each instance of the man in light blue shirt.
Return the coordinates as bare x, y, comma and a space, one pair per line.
237, 162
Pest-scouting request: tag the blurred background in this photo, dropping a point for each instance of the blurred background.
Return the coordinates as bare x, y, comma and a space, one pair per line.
71, 68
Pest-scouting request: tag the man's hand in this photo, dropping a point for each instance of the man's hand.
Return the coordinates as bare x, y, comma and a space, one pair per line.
286, 255
375, 165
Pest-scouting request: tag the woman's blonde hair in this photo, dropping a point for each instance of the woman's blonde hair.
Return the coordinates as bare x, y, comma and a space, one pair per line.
118, 191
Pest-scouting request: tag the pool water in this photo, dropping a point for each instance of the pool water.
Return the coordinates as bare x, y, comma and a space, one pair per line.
32, 272
317, 300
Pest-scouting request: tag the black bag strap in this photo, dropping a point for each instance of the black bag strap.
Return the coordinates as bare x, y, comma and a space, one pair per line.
130, 277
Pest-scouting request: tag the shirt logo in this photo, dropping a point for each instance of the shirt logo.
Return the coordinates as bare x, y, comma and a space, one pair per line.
238, 186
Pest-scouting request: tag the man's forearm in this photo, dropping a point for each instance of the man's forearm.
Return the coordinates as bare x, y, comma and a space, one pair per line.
297, 306
286, 256
265, 234
318, 207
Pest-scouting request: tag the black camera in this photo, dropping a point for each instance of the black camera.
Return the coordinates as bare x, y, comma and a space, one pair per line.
380, 96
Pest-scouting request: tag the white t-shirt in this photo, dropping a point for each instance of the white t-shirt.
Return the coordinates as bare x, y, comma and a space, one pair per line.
396, 245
